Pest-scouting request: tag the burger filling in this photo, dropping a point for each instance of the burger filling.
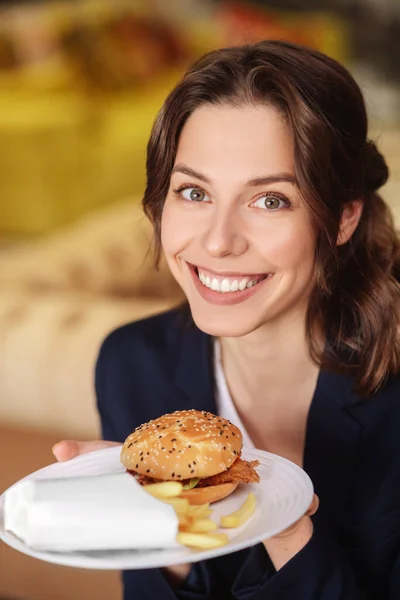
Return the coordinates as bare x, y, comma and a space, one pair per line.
241, 471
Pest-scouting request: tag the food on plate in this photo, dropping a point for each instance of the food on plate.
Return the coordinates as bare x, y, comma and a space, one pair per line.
197, 449
200, 526
200, 511
165, 489
242, 515
201, 541
189, 459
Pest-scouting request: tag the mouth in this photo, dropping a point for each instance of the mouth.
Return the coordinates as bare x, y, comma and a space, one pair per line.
226, 287
225, 284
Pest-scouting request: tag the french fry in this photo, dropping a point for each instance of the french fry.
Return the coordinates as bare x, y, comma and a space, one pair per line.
239, 517
185, 522
200, 511
200, 526
202, 541
181, 505
165, 489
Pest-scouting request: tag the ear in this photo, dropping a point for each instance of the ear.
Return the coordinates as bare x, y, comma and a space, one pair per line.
349, 220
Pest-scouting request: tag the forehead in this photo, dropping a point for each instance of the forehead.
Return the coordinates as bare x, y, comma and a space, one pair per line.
250, 140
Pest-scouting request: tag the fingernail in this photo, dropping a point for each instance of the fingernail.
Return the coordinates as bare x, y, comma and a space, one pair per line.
54, 447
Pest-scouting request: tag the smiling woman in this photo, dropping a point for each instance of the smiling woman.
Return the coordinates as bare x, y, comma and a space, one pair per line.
262, 186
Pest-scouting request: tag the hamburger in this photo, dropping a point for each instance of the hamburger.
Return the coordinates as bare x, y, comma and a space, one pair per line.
198, 449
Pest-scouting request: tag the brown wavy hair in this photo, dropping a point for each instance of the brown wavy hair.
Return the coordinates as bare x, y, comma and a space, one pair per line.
357, 293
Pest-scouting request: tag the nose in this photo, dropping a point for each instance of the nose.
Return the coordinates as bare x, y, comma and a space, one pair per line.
225, 234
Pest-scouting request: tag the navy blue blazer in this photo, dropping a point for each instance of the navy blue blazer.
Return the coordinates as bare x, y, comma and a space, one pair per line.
352, 455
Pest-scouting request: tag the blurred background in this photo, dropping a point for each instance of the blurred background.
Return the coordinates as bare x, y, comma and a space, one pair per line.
80, 84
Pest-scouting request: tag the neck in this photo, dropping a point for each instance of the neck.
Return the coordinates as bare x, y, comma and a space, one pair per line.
275, 357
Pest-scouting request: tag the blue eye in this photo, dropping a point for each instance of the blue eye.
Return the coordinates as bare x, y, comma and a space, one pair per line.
193, 194
271, 202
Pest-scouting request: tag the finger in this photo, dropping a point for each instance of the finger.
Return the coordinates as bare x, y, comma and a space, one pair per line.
313, 506
68, 449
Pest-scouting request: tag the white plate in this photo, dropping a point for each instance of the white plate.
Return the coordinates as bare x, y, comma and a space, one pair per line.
283, 496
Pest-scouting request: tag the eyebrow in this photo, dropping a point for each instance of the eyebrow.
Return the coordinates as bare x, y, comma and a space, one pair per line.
273, 178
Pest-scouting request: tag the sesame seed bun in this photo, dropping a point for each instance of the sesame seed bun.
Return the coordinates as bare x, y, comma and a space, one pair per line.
182, 445
210, 493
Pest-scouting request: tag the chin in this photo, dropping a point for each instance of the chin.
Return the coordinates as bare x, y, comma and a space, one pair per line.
223, 322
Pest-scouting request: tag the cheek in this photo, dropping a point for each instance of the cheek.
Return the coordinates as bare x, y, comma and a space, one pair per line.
290, 246
175, 230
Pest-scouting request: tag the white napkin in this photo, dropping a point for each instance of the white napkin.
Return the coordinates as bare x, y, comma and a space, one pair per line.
105, 512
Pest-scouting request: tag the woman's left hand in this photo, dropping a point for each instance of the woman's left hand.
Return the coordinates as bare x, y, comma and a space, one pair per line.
285, 545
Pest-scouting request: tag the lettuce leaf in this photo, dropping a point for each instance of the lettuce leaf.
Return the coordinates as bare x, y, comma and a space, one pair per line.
192, 483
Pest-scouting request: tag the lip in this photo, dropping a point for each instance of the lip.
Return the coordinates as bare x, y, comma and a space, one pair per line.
224, 299
230, 274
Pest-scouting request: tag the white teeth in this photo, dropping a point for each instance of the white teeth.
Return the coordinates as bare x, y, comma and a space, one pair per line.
225, 285
215, 285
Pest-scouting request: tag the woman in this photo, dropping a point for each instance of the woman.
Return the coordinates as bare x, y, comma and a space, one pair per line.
262, 188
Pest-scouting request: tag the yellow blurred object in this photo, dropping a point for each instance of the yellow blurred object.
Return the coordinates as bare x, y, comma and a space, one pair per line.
48, 168
330, 35
67, 153
53, 74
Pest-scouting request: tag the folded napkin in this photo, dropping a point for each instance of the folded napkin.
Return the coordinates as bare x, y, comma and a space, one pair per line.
105, 512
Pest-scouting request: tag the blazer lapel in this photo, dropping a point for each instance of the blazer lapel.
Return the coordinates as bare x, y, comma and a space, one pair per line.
333, 435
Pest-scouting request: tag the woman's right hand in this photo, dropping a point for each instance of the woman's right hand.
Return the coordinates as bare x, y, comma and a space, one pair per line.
67, 449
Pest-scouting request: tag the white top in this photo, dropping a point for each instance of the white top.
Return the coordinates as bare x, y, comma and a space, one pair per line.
225, 406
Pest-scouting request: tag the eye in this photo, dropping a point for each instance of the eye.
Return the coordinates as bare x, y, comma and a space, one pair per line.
272, 201
193, 194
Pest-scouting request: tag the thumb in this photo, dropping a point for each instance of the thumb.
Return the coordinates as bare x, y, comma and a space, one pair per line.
67, 449
312, 509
